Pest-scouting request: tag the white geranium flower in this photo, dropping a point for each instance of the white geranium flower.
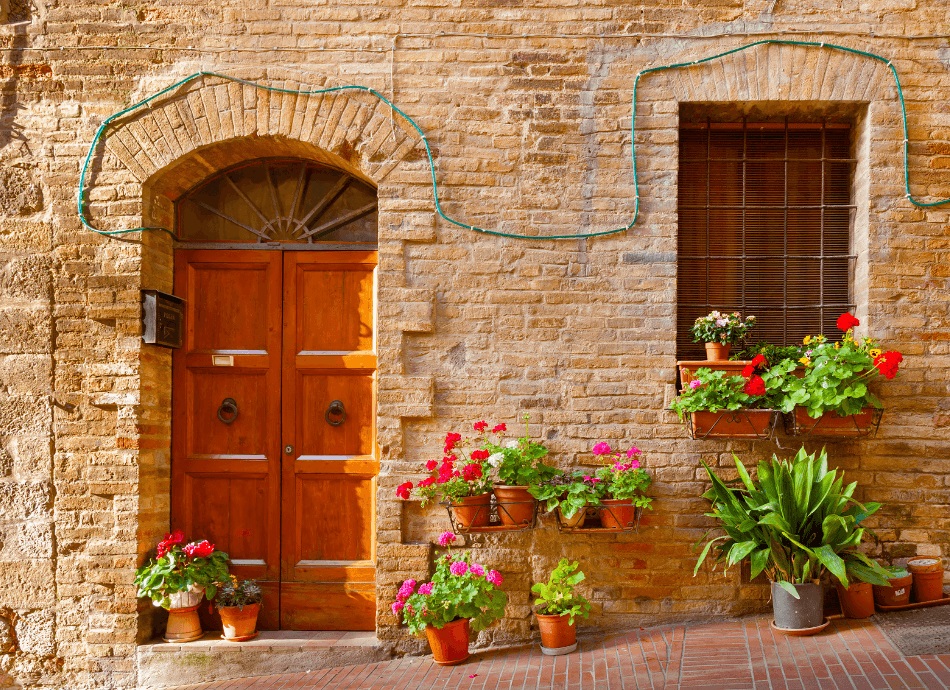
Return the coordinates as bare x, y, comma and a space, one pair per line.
511, 444
495, 460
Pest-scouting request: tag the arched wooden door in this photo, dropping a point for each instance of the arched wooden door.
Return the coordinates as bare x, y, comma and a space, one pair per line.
273, 425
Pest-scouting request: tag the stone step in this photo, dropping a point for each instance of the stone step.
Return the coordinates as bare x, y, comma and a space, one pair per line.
163, 664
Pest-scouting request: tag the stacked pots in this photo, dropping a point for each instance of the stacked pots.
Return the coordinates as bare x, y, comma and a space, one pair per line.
928, 579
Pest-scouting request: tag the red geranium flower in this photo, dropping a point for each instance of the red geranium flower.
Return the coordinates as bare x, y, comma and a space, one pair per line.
754, 386
480, 454
445, 472
759, 360
748, 370
201, 549
428, 481
499, 427
451, 439
888, 362
846, 322
170, 540
471, 472
403, 489
480, 426
431, 465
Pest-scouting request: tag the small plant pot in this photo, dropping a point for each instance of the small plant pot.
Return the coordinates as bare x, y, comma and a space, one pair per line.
515, 505
576, 520
806, 612
183, 624
857, 600
717, 351
240, 624
928, 579
896, 594
618, 513
449, 643
558, 634
473, 511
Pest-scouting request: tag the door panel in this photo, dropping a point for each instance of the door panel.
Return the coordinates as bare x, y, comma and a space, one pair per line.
329, 477
226, 477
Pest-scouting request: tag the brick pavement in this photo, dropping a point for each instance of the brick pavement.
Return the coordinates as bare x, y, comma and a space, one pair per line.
729, 655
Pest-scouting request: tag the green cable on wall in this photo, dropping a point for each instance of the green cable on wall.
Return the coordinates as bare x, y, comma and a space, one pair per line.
81, 197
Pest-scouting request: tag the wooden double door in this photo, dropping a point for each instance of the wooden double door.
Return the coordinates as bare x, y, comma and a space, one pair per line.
274, 455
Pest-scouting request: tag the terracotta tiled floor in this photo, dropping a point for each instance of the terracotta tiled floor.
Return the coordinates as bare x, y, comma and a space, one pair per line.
730, 655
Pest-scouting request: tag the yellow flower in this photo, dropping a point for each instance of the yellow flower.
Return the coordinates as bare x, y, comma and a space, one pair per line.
837, 346
807, 340
805, 360
875, 352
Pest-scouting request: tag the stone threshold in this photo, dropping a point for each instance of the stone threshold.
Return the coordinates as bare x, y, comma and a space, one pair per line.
163, 664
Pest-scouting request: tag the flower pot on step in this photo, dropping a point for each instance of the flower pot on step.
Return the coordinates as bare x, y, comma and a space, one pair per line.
515, 505
449, 643
857, 600
928, 579
183, 624
239, 622
558, 634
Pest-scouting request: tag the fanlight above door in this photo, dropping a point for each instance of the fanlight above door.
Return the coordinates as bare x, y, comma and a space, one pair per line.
287, 201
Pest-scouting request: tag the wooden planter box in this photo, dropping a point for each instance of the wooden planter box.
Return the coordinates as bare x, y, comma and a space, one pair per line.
756, 424
863, 424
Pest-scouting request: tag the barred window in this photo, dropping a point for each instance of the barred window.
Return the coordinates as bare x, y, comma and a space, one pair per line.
765, 215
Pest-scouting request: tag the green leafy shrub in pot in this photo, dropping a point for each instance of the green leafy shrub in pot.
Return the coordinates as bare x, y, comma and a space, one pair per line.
723, 328
557, 597
180, 567
757, 388
570, 493
518, 462
235, 593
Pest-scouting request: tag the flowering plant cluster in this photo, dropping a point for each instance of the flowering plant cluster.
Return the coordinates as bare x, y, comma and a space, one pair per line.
758, 387
725, 329
459, 588
569, 492
837, 374
180, 567
468, 465
622, 477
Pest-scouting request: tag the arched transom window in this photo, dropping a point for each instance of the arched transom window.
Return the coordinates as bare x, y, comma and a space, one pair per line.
288, 201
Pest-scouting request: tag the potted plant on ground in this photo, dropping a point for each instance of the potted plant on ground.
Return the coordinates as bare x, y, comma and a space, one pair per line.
623, 483
556, 607
518, 466
239, 602
462, 481
569, 495
895, 590
178, 578
720, 331
793, 522
832, 396
716, 404
461, 596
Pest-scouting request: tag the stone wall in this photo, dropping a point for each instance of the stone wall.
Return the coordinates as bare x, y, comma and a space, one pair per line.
529, 127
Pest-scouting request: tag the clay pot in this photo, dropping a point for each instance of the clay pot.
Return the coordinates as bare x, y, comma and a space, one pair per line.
618, 513
857, 601
183, 624
732, 424
515, 505
473, 511
833, 424
239, 623
928, 579
558, 634
449, 643
896, 594
717, 351
576, 520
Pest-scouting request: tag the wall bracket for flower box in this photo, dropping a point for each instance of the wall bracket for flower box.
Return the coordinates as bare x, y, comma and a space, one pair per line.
492, 516
626, 518
864, 424
742, 423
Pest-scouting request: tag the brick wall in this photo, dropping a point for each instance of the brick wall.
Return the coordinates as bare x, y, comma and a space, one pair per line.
530, 133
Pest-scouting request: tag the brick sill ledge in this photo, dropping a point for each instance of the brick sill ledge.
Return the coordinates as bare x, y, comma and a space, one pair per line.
279, 640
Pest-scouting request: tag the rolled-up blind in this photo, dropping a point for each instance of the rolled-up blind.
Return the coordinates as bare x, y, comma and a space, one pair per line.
764, 227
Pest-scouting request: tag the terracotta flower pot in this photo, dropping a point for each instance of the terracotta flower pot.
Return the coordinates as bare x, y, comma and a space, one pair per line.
239, 623
928, 579
558, 634
449, 643
717, 351
732, 424
515, 505
576, 520
617, 513
473, 511
833, 424
183, 624
896, 594
857, 601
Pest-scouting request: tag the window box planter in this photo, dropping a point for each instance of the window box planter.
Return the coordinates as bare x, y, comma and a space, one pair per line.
744, 423
688, 367
863, 424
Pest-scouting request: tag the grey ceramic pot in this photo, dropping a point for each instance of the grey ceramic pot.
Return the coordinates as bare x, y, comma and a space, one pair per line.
798, 614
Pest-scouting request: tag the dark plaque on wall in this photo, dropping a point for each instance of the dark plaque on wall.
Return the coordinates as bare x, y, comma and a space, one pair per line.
163, 318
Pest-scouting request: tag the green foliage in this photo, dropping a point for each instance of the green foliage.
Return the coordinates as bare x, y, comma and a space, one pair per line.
175, 571
717, 390
774, 354
448, 597
238, 593
519, 463
794, 522
722, 328
569, 492
556, 597
628, 483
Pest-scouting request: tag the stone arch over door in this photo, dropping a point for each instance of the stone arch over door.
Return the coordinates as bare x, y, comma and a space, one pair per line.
149, 160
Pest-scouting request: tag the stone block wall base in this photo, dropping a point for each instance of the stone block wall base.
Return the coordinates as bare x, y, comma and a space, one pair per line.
163, 665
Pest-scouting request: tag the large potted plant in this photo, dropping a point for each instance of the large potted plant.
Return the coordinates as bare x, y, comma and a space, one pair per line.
570, 495
717, 404
720, 331
462, 478
238, 603
832, 394
461, 596
518, 466
623, 483
557, 605
178, 578
794, 522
